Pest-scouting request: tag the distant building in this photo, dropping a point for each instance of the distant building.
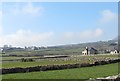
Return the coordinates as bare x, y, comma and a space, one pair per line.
31, 48
107, 51
85, 52
114, 51
2, 51
88, 51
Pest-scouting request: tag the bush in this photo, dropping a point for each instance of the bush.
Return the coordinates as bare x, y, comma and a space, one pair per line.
27, 60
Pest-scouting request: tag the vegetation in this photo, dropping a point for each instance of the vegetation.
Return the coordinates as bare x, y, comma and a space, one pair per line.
65, 49
78, 73
45, 52
51, 61
27, 60
28, 64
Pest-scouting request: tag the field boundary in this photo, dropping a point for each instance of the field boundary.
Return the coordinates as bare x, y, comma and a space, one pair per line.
55, 67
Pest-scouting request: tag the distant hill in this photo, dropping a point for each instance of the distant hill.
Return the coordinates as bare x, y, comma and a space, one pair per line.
99, 45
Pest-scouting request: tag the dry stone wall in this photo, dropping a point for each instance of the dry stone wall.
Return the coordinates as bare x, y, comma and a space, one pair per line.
54, 67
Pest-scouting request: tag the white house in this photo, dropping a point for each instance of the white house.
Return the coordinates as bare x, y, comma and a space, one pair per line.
114, 51
88, 51
1, 50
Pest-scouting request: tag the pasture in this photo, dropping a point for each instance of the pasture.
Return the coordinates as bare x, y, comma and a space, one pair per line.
77, 73
52, 61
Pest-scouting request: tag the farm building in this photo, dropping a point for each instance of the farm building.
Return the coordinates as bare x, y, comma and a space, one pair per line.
88, 51
1, 50
114, 51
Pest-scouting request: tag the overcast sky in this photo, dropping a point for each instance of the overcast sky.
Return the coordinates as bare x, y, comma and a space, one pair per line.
57, 23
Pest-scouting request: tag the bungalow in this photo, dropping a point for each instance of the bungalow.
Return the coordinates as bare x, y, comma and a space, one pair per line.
88, 51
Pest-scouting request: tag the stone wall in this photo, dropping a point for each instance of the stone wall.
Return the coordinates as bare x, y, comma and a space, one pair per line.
54, 67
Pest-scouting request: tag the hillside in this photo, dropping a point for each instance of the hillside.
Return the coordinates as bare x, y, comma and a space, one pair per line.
99, 45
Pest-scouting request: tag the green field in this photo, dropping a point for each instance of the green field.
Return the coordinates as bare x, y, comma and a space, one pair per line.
77, 73
31, 64
107, 55
48, 51
51, 61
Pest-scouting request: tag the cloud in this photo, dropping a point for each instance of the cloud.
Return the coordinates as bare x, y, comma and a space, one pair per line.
91, 34
28, 9
26, 38
69, 35
29, 38
108, 16
87, 34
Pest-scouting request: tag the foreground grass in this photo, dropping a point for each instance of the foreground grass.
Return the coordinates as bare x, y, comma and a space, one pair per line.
77, 73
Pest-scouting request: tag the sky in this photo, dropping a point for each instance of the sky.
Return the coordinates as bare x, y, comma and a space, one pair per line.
57, 23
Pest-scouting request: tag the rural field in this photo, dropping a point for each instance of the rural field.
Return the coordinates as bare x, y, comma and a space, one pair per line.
58, 39
11, 62
77, 73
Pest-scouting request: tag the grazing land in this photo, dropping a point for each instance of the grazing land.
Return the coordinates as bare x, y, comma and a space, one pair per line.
65, 40
50, 61
14, 59
77, 73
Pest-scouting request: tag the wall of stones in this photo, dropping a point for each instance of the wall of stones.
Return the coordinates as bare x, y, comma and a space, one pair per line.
54, 67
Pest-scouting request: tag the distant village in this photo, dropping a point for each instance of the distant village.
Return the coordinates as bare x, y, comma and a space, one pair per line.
9, 48
86, 51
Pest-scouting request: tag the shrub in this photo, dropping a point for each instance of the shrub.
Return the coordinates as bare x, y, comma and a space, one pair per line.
27, 60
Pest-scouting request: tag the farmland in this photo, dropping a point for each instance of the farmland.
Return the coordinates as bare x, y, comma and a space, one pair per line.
58, 40
50, 61
14, 60
78, 73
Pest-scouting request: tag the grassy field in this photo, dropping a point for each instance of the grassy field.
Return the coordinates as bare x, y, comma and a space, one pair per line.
28, 64
77, 73
47, 51
71, 60
79, 56
14, 58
